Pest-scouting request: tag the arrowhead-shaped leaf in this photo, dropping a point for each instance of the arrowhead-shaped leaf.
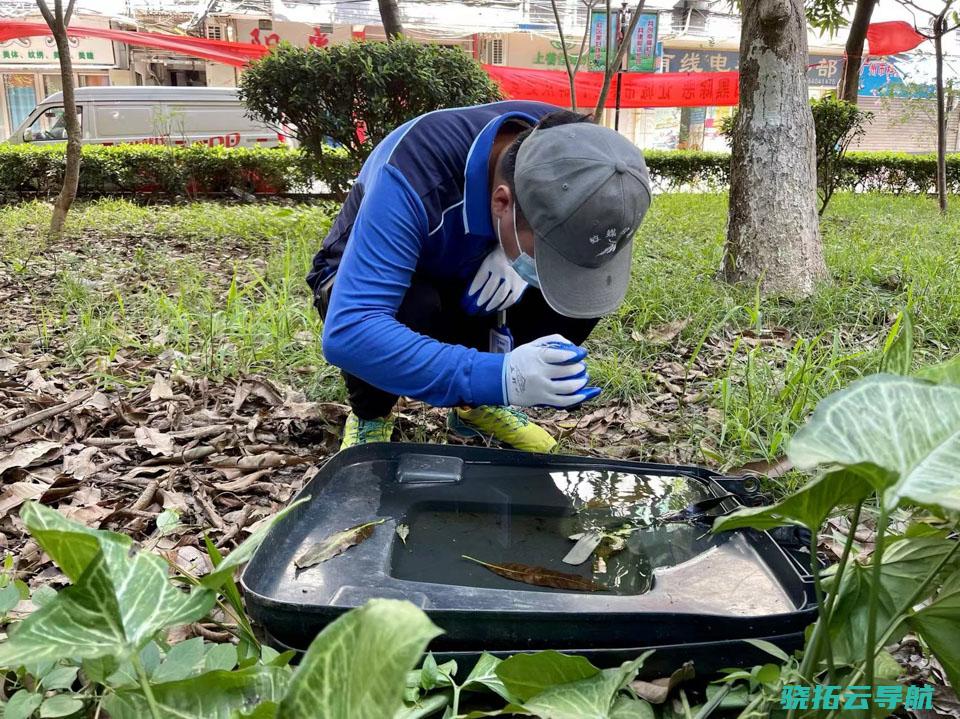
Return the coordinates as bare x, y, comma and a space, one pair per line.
939, 625
908, 427
591, 698
214, 695
905, 564
120, 598
356, 667
526, 675
809, 506
943, 373
242, 553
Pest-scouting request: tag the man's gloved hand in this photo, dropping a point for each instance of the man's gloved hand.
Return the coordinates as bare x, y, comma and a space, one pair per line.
548, 371
495, 287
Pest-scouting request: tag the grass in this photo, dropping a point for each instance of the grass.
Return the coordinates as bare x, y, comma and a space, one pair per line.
219, 289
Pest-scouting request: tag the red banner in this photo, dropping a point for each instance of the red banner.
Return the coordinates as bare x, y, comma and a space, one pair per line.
890, 38
668, 89
230, 53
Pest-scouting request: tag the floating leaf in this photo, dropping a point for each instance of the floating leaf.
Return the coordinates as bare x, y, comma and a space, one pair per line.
541, 576
907, 427
357, 665
403, 531
583, 549
697, 512
336, 544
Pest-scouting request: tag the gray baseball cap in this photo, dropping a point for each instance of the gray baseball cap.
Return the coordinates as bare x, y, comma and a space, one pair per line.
584, 189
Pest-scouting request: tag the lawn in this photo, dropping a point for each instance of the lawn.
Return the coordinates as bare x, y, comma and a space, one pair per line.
692, 369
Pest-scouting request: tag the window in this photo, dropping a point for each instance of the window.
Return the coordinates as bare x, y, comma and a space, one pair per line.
51, 84
94, 80
21, 96
52, 125
494, 53
120, 121
265, 24
214, 32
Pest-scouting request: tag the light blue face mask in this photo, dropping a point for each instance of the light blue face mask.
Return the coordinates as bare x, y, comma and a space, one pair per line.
524, 265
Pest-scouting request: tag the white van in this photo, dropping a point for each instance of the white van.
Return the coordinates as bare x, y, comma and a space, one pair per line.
152, 115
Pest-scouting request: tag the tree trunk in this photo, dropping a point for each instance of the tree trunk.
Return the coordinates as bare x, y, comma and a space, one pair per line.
941, 118
773, 233
58, 20
390, 17
850, 82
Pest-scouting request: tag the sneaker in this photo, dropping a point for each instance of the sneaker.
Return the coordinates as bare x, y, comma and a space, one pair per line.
364, 431
505, 424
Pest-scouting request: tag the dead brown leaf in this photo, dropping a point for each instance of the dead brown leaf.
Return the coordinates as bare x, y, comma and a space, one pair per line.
161, 388
541, 576
336, 544
29, 455
154, 441
665, 333
656, 691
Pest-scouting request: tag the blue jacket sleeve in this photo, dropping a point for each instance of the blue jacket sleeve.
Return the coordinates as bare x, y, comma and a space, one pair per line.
362, 335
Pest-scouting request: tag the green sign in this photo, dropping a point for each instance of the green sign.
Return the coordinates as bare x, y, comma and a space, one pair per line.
642, 51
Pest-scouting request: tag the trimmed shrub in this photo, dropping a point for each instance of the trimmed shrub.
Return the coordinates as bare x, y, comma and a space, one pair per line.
353, 95
171, 171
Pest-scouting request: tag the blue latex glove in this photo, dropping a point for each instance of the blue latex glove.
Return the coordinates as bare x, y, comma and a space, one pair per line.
547, 372
495, 287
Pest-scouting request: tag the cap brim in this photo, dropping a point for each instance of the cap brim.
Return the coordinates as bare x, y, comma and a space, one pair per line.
583, 292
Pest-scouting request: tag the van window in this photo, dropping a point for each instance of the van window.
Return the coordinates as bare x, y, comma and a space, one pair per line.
213, 119
52, 124
124, 121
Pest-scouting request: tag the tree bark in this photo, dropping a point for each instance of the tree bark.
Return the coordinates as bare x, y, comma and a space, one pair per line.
58, 21
850, 82
773, 233
390, 17
939, 27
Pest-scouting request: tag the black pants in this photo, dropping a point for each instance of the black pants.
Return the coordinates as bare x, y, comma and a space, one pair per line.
433, 308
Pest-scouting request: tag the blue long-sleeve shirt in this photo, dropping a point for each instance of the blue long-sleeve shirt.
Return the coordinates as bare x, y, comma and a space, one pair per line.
420, 205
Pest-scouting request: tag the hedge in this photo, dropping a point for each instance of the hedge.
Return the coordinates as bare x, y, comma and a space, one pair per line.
173, 171
157, 169
894, 172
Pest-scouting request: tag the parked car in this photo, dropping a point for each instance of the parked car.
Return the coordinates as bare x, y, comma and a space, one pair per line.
152, 115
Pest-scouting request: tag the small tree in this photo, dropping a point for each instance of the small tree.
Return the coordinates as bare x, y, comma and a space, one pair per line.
850, 83
838, 123
58, 20
353, 95
942, 21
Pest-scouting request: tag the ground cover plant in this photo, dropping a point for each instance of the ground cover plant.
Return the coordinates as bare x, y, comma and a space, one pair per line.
161, 378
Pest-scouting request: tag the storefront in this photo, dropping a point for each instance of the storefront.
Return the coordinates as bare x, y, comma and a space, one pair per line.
30, 70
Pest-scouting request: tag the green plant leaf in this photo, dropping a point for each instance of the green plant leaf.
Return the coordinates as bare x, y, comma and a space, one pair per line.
905, 426
214, 695
120, 600
629, 708
22, 705
591, 698
60, 678
484, 674
526, 675
809, 506
220, 657
242, 554
898, 348
905, 563
939, 625
771, 649
357, 665
943, 373
60, 705
9, 598
183, 660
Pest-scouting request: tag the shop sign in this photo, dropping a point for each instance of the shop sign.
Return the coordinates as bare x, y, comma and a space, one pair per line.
43, 51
